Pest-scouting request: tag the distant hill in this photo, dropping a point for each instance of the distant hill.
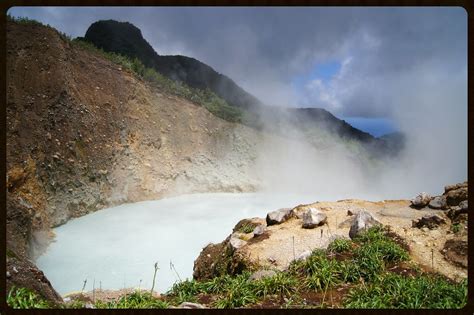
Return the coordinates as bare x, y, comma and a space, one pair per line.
126, 39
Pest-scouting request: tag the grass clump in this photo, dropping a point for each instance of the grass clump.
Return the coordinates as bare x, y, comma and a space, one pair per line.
282, 283
396, 291
135, 300
22, 298
340, 245
246, 228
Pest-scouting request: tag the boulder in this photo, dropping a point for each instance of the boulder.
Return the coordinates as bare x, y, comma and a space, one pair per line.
304, 255
279, 216
422, 200
430, 221
438, 202
362, 221
455, 196
463, 206
313, 218
260, 274
259, 230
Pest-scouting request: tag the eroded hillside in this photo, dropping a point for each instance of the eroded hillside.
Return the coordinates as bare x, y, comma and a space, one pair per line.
84, 134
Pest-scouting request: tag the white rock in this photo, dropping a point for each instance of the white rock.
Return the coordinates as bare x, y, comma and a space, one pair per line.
313, 218
362, 221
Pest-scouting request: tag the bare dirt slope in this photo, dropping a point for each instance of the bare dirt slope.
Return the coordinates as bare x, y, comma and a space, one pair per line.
84, 134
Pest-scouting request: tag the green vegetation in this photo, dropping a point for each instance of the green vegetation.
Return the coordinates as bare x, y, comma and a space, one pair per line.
396, 291
340, 245
246, 228
135, 300
22, 298
205, 98
363, 264
24, 21
456, 227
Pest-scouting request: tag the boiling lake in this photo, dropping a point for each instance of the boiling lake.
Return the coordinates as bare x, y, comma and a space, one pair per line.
117, 247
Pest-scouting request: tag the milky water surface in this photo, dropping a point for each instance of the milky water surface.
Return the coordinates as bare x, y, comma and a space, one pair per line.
117, 247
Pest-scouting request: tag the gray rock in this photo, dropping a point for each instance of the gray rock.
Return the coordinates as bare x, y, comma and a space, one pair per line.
422, 200
89, 305
304, 255
313, 218
463, 206
429, 221
259, 230
279, 216
191, 305
67, 299
8, 274
438, 202
362, 221
260, 274
235, 242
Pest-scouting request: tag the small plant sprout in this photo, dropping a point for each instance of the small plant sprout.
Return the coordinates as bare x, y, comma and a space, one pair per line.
84, 285
154, 277
175, 271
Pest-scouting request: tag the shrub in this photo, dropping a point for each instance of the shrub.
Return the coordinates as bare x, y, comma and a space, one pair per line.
21, 298
282, 283
396, 291
340, 245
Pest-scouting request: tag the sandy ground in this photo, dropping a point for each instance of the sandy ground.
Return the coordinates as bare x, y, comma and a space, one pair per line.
288, 240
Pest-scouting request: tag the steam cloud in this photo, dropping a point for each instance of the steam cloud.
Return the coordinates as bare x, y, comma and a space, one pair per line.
407, 64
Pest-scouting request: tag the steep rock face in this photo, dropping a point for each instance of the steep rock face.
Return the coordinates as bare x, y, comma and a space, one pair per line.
126, 39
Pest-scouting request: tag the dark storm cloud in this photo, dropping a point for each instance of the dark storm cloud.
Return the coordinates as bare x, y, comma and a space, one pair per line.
263, 49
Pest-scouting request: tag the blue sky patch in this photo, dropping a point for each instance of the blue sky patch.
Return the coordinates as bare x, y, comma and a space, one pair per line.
323, 71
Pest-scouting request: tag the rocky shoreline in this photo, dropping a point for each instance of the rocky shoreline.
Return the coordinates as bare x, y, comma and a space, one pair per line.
435, 234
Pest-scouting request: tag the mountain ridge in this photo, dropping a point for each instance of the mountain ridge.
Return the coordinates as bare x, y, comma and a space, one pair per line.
127, 39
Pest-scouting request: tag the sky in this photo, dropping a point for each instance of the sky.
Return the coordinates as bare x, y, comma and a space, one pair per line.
355, 62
